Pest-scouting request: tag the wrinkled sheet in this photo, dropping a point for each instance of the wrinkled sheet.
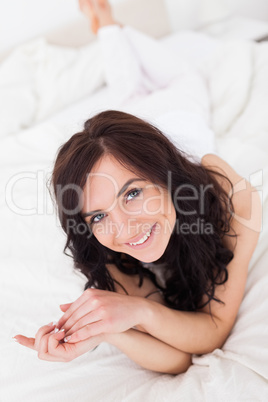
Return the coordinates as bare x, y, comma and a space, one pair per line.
35, 274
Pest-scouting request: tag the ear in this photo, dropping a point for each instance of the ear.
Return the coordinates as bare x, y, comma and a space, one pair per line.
64, 307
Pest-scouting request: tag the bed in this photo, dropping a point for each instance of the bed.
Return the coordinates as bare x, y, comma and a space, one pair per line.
36, 277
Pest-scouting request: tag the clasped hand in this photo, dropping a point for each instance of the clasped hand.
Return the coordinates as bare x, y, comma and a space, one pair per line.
88, 321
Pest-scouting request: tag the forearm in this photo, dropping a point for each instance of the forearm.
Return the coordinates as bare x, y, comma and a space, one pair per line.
190, 332
150, 352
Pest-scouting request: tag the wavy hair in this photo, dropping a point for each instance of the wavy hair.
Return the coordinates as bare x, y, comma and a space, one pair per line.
194, 263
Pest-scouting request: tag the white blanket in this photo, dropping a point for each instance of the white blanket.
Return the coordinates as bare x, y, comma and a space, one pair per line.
35, 275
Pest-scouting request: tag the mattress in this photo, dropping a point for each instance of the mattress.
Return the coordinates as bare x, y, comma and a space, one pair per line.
36, 277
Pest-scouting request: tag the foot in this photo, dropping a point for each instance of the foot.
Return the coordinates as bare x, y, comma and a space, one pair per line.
104, 12
98, 12
87, 8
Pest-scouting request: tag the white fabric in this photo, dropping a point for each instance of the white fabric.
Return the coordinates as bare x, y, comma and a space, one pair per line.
38, 79
176, 92
36, 276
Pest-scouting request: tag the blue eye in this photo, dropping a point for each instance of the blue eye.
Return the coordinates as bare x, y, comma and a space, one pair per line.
136, 192
132, 194
92, 220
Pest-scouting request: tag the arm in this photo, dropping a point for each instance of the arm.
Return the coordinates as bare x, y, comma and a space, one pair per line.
199, 332
141, 347
149, 352
190, 332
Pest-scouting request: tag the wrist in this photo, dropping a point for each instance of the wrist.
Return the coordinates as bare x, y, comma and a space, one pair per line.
145, 311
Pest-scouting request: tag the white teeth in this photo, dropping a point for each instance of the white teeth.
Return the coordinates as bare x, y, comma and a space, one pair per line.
143, 239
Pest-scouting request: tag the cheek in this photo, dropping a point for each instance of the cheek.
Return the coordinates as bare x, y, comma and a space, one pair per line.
106, 231
101, 233
154, 206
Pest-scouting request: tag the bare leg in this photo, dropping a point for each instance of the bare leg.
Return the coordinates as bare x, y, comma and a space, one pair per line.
98, 12
86, 6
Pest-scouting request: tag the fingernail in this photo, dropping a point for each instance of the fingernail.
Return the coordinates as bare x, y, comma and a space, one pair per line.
67, 338
51, 324
56, 330
15, 339
62, 330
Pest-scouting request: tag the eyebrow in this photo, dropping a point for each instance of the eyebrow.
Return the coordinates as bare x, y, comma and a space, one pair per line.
123, 189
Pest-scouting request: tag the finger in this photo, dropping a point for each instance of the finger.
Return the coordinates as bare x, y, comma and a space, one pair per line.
57, 347
83, 311
67, 352
87, 319
86, 332
24, 341
82, 347
64, 307
60, 351
75, 305
43, 346
43, 331
46, 352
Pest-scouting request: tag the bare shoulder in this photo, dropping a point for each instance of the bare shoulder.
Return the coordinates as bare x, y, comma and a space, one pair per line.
241, 189
218, 165
246, 223
246, 217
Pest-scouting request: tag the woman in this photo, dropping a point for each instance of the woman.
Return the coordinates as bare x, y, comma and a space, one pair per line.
163, 240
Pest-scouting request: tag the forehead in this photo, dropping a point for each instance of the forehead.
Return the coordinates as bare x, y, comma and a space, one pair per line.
106, 177
108, 171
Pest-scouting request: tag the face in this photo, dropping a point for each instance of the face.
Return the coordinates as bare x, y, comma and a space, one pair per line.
126, 213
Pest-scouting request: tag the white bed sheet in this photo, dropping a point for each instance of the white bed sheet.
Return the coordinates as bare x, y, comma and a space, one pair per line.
36, 277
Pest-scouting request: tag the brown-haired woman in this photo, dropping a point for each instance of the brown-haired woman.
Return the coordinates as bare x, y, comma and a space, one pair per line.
164, 242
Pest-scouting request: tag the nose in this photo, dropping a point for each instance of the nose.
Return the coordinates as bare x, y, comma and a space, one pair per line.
123, 225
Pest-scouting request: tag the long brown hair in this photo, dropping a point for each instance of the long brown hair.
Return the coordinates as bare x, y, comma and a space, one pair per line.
195, 263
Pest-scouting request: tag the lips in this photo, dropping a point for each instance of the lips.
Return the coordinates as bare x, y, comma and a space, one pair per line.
147, 243
138, 238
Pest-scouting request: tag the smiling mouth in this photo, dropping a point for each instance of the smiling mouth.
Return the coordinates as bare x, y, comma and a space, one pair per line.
143, 239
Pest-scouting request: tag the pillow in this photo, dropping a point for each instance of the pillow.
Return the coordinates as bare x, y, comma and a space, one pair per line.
38, 79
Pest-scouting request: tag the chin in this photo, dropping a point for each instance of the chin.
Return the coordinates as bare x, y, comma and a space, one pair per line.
152, 257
